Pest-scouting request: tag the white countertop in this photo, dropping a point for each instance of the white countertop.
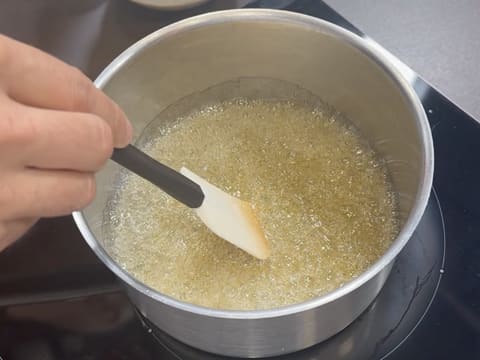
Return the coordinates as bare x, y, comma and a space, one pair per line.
438, 39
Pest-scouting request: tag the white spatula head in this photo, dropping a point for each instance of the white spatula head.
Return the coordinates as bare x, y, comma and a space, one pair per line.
230, 218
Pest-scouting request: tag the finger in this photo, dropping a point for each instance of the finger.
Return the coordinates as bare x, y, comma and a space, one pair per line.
12, 230
52, 139
44, 193
37, 79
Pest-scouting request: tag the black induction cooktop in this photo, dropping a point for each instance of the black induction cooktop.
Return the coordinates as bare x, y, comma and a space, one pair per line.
57, 301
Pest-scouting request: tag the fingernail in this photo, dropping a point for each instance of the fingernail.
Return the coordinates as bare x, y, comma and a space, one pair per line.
128, 131
127, 128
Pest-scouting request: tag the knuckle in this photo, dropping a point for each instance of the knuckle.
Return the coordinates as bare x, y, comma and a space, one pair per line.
4, 51
104, 142
86, 192
90, 189
16, 128
78, 192
4, 235
7, 126
7, 196
122, 129
82, 95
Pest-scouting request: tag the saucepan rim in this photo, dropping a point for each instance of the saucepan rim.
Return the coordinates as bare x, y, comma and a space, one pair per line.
309, 23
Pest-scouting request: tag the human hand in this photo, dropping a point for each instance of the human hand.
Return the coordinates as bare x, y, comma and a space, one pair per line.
56, 130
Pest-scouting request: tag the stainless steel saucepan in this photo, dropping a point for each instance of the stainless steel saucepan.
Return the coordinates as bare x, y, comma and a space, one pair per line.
339, 67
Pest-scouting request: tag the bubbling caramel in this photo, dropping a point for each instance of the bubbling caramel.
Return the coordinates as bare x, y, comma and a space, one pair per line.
322, 196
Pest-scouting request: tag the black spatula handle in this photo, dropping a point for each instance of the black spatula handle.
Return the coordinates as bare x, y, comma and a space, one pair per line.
172, 182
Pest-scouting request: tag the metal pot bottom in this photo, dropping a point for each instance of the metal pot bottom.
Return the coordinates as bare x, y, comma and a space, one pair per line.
388, 321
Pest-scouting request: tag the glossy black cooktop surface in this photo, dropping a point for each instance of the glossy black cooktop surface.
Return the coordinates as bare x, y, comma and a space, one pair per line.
57, 301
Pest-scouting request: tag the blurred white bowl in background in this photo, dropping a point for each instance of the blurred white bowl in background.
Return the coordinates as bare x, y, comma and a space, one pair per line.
169, 4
